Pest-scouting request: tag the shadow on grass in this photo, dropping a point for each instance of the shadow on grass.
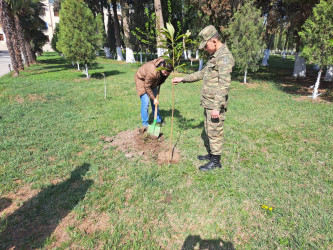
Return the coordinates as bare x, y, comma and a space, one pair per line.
280, 72
4, 203
37, 218
185, 125
98, 75
195, 241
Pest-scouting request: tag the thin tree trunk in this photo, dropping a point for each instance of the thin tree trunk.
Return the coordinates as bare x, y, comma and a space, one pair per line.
16, 45
185, 55
21, 40
299, 66
29, 52
329, 74
315, 91
189, 54
245, 74
159, 27
127, 33
117, 31
87, 74
200, 64
285, 44
197, 54
8, 33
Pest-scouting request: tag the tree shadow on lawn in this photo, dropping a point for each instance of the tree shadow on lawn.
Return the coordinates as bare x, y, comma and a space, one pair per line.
4, 203
192, 241
280, 72
37, 218
98, 75
185, 125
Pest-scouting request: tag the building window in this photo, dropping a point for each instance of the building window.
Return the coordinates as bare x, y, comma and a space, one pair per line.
1, 37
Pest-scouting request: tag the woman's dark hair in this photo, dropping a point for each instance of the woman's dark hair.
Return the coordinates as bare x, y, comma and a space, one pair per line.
167, 65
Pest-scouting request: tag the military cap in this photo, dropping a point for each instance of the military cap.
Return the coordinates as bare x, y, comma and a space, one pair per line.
206, 34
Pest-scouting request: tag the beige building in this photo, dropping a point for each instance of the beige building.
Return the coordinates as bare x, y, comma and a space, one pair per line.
51, 19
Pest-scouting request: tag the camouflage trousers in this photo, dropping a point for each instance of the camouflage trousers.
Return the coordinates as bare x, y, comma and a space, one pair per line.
214, 131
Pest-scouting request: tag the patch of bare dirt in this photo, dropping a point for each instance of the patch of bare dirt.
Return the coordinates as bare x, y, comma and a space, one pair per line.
36, 98
89, 225
17, 198
29, 98
137, 143
309, 99
81, 79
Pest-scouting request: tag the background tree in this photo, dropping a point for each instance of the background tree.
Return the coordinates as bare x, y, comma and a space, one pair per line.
146, 34
245, 39
117, 31
159, 27
79, 37
33, 27
55, 38
296, 12
316, 36
111, 39
11, 10
9, 30
127, 31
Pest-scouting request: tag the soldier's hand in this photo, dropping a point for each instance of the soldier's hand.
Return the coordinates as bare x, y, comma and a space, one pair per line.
215, 114
155, 101
177, 80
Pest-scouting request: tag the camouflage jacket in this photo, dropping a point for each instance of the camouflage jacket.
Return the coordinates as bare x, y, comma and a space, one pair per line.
216, 79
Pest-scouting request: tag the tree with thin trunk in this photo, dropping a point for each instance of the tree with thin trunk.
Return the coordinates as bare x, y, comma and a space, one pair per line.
9, 30
111, 46
79, 35
127, 33
316, 35
245, 40
117, 31
21, 40
159, 27
174, 45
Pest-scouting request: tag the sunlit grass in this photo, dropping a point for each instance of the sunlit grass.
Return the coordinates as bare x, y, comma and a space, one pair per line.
277, 153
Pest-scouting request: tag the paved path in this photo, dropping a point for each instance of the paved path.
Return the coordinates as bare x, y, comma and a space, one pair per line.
4, 61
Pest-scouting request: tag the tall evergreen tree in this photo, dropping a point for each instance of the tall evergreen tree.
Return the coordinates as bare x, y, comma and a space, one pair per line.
245, 37
317, 34
79, 37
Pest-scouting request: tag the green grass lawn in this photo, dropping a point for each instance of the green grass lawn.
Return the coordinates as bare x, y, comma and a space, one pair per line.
277, 153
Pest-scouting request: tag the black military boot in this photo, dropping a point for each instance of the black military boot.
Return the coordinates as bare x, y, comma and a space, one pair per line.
204, 157
213, 163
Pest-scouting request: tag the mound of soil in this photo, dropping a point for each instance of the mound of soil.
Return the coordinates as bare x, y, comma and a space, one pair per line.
137, 143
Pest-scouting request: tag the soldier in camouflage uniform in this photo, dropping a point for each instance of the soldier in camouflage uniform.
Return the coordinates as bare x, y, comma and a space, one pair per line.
214, 93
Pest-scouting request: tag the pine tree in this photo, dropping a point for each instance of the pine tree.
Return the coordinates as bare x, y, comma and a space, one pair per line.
316, 35
79, 38
245, 37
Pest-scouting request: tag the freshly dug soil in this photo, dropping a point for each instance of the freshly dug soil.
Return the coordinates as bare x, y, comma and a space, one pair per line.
137, 142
